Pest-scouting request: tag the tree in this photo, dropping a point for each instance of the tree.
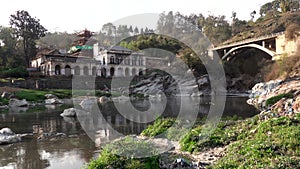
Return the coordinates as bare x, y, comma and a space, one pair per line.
136, 31
252, 14
109, 29
130, 29
266, 8
27, 30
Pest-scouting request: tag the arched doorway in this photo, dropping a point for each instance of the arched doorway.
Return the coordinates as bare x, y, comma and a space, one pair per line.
68, 70
120, 72
112, 71
57, 70
127, 72
86, 70
133, 71
77, 70
103, 72
94, 71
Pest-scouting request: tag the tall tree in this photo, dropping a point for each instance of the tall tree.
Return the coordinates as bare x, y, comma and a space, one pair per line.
136, 31
10, 52
27, 30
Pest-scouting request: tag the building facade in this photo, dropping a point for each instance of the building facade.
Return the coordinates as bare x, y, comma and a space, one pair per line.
106, 62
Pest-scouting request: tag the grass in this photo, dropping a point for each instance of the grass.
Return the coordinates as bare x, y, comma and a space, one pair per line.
274, 143
159, 127
270, 144
115, 155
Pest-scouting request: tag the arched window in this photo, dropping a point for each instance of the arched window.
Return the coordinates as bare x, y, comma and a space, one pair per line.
103, 61
77, 70
68, 70
133, 71
103, 72
86, 70
127, 72
112, 71
94, 71
57, 70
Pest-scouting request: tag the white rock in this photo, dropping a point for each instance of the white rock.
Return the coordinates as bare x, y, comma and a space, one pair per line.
51, 96
7, 136
17, 103
71, 112
103, 99
53, 101
6, 131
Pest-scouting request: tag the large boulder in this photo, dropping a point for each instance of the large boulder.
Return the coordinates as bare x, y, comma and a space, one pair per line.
18, 103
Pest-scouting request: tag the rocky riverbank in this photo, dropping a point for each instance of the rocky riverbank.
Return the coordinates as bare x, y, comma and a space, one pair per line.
277, 98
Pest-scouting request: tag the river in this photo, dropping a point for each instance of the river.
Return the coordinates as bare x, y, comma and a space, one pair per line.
76, 148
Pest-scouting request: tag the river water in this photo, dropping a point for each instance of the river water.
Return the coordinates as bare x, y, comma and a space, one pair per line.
75, 148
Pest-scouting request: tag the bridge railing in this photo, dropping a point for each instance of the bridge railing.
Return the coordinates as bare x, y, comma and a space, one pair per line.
250, 40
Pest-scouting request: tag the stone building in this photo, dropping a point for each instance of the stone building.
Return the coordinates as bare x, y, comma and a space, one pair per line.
105, 62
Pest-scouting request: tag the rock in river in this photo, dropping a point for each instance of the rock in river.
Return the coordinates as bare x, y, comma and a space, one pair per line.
18, 103
72, 112
53, 101
7, 136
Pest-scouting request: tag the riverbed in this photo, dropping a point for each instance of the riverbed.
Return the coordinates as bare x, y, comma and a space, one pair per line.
75, 148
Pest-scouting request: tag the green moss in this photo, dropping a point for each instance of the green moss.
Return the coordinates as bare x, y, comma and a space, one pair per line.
275, 99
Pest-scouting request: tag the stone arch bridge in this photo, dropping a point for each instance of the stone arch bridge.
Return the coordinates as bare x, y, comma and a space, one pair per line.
274, 45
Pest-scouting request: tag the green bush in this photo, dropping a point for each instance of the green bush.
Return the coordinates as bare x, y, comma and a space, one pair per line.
275, 99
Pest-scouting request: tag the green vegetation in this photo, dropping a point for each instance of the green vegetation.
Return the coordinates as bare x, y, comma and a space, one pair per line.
275, 99
3, 101
39, 95
274, 143
159, 127
116, 155
270, 144
166, 127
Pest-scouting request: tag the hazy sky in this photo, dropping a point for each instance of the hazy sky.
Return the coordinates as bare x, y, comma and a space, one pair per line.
64, 15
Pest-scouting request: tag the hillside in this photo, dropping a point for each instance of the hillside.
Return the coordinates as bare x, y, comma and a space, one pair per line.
272, 22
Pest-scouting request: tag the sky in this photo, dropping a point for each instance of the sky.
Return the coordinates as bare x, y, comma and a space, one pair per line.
71, 16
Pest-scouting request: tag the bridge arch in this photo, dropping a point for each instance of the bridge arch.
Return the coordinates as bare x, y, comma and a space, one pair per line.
268, 51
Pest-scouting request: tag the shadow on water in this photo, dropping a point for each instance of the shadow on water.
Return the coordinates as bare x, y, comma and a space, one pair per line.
76, 149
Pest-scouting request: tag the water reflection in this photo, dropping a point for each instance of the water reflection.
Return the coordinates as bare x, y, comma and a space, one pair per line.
77, 148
